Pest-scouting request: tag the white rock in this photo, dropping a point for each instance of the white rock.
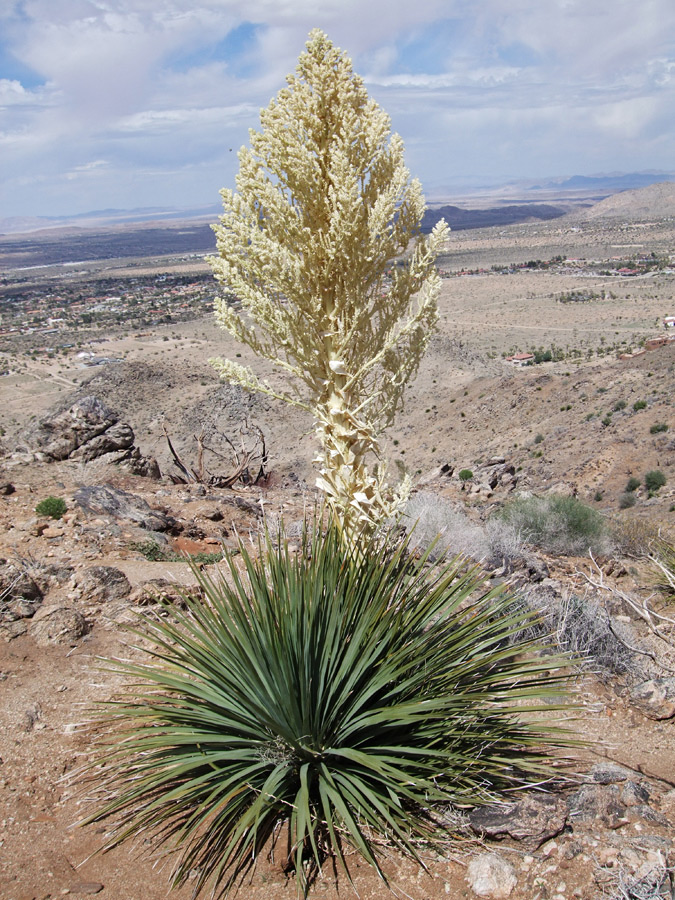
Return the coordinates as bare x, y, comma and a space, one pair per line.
489, 875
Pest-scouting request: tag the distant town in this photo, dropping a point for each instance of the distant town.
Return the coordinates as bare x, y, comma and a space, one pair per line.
52, 309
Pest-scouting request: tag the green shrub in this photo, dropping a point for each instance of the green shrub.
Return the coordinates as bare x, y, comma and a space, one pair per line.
465, 475
627, 499
54, 507
538, 438
619, 405
639, 404
153, 552
558, 524
294, 693
654, 480
632, 484
658, 427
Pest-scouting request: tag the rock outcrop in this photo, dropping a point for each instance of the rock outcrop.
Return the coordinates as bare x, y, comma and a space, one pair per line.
89, 430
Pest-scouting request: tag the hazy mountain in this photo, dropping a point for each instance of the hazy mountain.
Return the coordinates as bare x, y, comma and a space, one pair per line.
608, 183
654, 202
461, 219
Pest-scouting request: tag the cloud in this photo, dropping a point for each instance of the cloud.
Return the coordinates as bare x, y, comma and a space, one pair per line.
162, 92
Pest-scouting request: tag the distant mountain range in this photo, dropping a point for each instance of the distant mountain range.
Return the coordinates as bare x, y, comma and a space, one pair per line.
610, 184
105, 233
462, 219
107, 218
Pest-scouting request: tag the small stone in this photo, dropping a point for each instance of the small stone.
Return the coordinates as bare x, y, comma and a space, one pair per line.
655, 698
634, 794
549, 849
489, 875
86, 887
609, 773
645, 812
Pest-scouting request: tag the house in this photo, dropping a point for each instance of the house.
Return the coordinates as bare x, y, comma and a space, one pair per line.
656, 342
521, 359
669, 322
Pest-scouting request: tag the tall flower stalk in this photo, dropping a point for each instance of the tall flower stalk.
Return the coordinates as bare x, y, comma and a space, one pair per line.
308, 244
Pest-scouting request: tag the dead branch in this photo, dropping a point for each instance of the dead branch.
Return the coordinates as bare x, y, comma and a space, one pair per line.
240, 469
665, 571
188, 474
656, 622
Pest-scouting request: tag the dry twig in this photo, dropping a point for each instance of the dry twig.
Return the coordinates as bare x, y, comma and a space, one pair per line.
657, 623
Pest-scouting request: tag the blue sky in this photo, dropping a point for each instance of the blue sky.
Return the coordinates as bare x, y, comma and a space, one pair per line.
128, 103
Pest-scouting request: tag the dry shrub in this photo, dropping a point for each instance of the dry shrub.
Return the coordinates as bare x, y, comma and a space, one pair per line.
434, 519
634, 536
583, 628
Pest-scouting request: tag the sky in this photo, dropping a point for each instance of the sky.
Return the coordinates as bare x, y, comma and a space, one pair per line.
144, 103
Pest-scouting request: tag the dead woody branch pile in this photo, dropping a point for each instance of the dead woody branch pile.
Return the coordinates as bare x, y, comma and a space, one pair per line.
252, 454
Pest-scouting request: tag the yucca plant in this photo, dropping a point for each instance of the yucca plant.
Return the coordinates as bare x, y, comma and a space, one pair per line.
344, 693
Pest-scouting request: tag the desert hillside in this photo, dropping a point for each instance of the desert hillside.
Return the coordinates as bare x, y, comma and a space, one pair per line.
90, 403
653, 202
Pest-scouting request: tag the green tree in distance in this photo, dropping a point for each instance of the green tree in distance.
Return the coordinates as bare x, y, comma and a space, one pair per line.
324, 205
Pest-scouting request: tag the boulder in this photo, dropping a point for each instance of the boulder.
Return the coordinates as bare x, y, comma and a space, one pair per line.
137, 464
106, 500
490, 875
16, 584
159, 590
58, 436
20, 599
101, 584
655, 698
601, 802
535, 818
119, 436
58, 625
609, 773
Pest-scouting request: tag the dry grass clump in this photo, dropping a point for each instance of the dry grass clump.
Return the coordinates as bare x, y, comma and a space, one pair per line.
435, 520
663, 559
634, 536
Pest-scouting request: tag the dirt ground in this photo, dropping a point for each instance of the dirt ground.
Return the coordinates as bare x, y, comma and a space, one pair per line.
45, 696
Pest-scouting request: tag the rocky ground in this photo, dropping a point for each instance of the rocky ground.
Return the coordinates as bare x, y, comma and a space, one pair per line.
68, 587
98, 441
